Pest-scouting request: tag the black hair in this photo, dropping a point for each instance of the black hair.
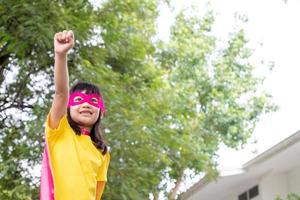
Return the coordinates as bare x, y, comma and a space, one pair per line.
95, 134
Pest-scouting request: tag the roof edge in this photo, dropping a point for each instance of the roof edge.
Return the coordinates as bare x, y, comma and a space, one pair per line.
292, 139
195, 187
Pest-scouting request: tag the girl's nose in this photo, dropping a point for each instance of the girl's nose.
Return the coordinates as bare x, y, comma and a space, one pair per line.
86, 104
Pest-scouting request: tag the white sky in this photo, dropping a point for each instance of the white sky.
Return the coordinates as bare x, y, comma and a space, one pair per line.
276, 25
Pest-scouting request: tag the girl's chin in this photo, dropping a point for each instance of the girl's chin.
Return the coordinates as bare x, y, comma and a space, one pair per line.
84, 123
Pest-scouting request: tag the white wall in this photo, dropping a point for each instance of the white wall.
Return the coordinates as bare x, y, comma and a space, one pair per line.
241, 188
235, 197
270, 186
273, 185
257, 198
294, 180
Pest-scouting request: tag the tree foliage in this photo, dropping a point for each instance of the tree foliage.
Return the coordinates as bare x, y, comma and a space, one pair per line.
290, 196
169, 104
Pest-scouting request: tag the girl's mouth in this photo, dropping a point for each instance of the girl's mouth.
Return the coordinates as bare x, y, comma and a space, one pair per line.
86, 112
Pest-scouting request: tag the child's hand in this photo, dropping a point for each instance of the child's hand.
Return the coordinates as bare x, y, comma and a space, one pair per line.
63, 42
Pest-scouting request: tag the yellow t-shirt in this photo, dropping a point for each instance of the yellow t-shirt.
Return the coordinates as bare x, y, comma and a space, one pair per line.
76, 163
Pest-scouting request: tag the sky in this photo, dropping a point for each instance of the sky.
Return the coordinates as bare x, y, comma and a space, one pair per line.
273, 30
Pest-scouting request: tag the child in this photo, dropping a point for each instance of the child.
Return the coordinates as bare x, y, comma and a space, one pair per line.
75, 159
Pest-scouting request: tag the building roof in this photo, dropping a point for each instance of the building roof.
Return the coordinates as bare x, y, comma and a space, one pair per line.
279, 158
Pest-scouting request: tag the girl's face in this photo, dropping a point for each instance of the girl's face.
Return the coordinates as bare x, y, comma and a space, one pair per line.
84, 109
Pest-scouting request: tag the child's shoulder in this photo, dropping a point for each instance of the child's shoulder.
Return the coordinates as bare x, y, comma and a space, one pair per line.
62, 126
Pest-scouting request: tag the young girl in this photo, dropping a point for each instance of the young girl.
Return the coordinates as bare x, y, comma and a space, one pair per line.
75, 158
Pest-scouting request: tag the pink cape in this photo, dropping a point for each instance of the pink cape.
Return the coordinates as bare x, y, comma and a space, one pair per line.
47, 186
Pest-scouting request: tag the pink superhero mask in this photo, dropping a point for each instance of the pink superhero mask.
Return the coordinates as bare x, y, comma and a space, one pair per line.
77, 98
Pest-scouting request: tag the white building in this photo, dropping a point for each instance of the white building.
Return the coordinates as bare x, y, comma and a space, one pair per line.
276, 172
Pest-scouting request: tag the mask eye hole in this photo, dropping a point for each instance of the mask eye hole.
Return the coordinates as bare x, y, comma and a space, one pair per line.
77, 99
94, 100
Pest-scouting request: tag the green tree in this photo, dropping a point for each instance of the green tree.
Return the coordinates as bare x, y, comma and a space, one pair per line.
169, 104
291, 196
214, 95
26, 73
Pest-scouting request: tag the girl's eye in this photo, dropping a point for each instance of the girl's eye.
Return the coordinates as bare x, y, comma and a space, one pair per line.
94, 100
77, 99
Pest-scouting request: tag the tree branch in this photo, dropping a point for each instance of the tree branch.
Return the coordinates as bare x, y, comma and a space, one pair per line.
173, 192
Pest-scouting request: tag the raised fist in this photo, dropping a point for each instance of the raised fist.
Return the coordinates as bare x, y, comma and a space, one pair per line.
63, 42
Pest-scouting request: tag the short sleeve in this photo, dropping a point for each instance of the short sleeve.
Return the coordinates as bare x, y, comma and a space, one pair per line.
61, 126
102, 174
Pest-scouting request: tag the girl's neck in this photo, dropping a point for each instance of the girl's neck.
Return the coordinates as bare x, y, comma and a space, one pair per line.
85, 131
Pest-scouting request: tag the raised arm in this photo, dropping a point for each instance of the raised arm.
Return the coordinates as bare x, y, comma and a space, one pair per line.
63, 42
